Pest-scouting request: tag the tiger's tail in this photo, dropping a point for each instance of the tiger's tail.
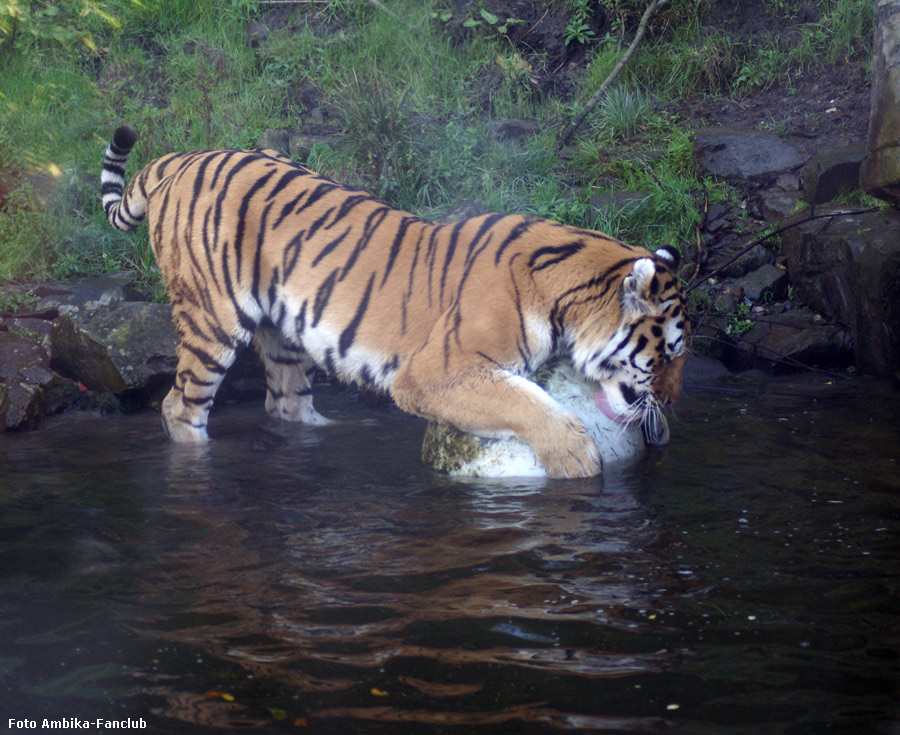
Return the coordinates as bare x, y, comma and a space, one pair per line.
128, 214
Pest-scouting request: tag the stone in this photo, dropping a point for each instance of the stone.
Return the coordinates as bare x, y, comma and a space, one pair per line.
791, 340
776, 204
88, 292
731, 262
512, 129
880, 171
768, 282
277, 140
832, 172
788, 182
454, 452
124, 346
301, 145
741, 153
29, 388
255, 34
848, 267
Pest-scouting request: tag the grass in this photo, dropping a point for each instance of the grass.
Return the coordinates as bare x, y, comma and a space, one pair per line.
405, 87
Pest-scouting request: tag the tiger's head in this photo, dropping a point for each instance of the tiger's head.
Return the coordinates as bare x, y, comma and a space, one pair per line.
638, 366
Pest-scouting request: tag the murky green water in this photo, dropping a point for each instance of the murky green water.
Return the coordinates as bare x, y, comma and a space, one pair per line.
743, 580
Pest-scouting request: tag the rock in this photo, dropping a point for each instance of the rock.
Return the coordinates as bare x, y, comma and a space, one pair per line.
255, 34
832, 172
742, 153
880, 172
767, 282
615, 203
121, 347
33, 328
466, 209
788, 182
302, 145
512, 129
88, 293
716, 217
849, 268
735, 264
776, 204
29, 389
277, 140
790, 340
449, 450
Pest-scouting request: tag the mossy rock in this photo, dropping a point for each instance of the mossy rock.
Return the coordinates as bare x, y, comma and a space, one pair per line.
454, 452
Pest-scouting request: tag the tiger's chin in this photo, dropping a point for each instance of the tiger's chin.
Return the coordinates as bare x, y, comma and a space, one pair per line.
647, 411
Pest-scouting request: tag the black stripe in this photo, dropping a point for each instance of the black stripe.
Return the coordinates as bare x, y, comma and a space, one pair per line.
226, 157
349, 333
243, 318
319, 222
323, 294
349, 203
396, 245
373, 221
561, 253
292, 253
638, 347
209, 362
330, 246
451, 250
242, 220
286, 179
487, 225
516, 232
257, 259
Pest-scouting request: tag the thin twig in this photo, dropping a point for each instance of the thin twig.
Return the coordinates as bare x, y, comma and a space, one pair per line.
765, 237
566, 135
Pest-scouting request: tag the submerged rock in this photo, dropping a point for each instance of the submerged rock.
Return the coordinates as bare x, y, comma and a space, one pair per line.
450, 450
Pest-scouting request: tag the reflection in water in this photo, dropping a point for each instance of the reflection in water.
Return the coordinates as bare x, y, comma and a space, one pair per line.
284, 577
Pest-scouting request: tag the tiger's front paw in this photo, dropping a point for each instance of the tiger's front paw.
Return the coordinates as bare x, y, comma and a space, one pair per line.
572, 453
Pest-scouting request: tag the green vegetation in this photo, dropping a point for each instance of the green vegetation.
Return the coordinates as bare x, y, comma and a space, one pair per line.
402, 89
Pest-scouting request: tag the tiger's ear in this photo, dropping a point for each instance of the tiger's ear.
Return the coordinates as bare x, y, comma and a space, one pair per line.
668, 255
639, 289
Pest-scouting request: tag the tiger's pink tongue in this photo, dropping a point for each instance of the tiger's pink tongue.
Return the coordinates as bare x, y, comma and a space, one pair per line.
607, 410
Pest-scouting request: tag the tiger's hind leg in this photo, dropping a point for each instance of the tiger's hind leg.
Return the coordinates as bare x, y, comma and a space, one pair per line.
185, 410
288, 373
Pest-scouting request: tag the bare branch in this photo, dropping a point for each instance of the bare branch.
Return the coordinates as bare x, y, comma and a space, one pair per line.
566, 135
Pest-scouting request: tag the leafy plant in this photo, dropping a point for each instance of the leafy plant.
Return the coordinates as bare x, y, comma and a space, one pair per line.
578, 28
492, 21
739, 322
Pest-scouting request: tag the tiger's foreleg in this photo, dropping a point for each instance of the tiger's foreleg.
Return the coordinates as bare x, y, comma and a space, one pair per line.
288, 372
484, 400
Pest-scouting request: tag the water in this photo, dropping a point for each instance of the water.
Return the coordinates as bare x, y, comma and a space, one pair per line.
743, 580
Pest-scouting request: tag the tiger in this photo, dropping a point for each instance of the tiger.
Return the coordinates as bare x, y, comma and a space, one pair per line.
451, 320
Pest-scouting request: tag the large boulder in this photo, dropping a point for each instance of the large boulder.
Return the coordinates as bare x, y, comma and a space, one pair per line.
743, 153
122, 346
785, 341
449, 450
849, 268
29, 388
832, 172
880, 173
